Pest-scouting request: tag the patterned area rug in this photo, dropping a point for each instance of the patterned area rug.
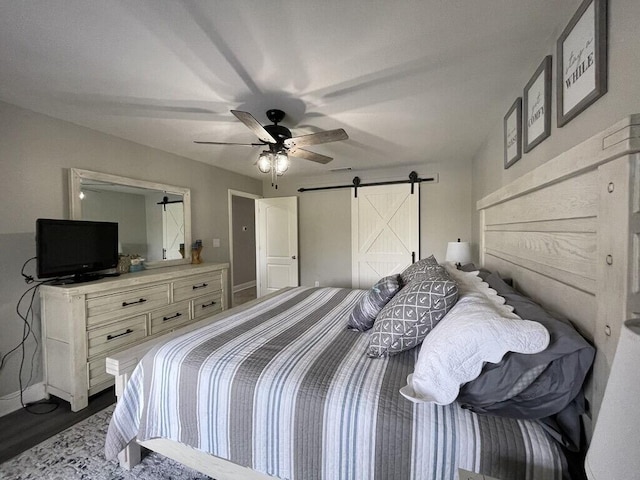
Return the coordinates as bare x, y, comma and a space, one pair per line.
78, 453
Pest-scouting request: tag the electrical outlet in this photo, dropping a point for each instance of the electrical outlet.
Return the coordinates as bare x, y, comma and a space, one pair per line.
317, 284
216, 242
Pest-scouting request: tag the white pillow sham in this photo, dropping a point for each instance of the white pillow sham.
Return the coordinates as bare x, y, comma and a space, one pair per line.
479, 328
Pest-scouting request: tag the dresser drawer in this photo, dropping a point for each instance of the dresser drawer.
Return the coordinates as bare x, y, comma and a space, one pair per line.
103, 308
117, 335
207, 305
196, 286
170, 317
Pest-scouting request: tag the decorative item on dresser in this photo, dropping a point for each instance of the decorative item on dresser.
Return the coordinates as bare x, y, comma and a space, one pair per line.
82, 324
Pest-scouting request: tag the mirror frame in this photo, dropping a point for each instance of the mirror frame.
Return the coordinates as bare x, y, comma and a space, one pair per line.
76, 176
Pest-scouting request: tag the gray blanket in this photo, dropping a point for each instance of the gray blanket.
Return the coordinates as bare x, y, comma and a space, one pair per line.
285, 388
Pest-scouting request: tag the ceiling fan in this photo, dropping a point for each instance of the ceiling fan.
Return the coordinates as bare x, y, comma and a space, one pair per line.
280, 140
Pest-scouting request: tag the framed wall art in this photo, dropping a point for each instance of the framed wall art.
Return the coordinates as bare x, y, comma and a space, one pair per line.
537, 106
582, 60
513, 134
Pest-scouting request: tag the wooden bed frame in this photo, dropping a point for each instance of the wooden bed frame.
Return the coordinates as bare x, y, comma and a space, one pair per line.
567, 233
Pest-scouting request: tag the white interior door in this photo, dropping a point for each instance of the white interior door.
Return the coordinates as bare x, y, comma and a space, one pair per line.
276, 244
385, 232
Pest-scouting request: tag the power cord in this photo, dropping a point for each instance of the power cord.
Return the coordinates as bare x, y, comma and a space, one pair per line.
27, 330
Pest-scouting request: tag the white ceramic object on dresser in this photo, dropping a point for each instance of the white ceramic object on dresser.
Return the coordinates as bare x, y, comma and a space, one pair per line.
84, 323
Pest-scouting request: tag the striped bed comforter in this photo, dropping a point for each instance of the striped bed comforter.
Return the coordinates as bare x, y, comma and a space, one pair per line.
283, 387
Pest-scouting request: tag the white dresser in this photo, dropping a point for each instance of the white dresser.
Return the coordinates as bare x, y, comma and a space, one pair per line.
84, 323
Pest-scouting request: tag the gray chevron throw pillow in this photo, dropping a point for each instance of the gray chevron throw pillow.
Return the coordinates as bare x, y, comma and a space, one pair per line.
365, 312
406, 320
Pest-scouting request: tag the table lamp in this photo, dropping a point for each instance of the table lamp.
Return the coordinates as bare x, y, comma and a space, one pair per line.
458, 252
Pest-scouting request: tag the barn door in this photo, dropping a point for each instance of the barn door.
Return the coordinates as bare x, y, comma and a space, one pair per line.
172, 230
385, 232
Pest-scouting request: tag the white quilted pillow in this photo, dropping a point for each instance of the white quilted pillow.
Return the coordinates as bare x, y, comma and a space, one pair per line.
478, 329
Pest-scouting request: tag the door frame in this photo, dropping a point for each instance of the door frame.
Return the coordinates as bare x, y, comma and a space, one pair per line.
230, 195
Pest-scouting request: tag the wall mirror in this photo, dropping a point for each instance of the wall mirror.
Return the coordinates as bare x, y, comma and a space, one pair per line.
154, 219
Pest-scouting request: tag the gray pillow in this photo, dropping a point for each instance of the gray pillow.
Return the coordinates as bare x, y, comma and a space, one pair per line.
365, 312
424, 269
554, 391
407, 319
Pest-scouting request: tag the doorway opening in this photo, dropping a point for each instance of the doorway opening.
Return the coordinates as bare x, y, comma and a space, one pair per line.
242, 246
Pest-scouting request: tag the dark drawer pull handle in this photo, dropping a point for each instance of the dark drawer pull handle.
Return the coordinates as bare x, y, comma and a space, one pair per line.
164, 319
142, 300
111, 337
195, 287
205, 305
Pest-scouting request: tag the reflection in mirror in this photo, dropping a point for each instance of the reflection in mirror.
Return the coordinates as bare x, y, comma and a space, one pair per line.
154, 220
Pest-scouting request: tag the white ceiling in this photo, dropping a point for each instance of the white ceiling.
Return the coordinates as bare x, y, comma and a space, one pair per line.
410, 81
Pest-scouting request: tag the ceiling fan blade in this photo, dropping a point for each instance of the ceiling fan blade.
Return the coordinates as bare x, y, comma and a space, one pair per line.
316, 138
307, 155
231, 143
254, 126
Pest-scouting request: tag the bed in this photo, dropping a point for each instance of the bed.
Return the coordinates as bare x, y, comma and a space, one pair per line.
572, 254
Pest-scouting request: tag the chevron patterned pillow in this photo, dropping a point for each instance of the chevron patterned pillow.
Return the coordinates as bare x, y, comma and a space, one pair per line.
406, 320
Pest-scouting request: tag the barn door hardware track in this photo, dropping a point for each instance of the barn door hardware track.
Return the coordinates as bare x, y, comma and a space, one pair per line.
413, 179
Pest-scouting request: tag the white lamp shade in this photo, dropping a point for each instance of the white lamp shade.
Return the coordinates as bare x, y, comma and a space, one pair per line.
614, 452
458, 252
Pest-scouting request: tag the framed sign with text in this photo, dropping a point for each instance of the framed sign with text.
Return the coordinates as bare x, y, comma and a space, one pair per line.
582, 60
513, 134
537, 106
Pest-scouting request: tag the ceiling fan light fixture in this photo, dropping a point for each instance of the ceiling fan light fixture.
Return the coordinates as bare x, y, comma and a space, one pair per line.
280, 142
264, 162
281, 163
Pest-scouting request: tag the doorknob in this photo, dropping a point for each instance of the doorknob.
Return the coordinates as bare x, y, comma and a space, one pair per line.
293, 257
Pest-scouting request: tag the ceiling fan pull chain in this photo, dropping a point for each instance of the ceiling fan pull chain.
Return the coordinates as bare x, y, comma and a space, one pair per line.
274, 174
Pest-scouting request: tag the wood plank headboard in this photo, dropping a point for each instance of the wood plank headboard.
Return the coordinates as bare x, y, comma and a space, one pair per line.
568, 234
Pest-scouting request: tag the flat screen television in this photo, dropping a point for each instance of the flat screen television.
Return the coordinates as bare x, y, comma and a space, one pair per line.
77, 249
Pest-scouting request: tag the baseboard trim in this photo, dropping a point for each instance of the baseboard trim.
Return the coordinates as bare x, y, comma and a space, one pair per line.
11, 402
244, 286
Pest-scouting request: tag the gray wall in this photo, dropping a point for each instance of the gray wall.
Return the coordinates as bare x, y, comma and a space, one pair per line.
622, 99
36, 152
244, 241
325, 216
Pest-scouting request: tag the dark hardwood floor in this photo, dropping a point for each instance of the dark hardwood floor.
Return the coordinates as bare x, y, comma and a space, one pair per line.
22, 430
